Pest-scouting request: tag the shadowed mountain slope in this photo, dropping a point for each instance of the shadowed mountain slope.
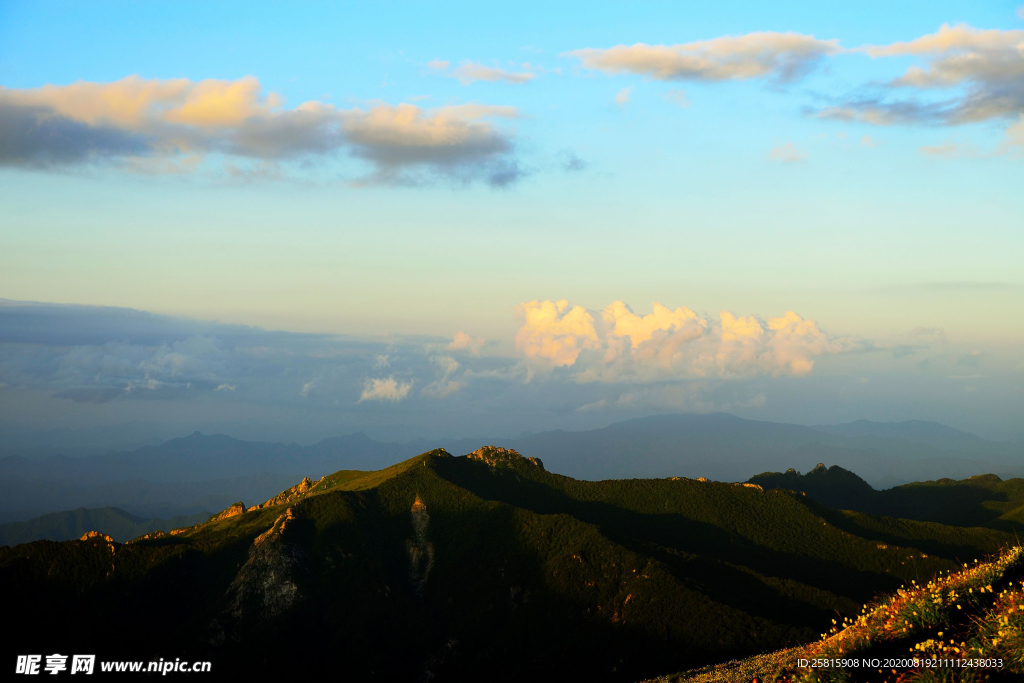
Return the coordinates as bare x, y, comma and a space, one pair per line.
485, 567
981, 500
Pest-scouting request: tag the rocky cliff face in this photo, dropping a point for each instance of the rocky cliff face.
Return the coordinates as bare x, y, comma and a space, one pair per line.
267, 584
495, 456
289, 495
232, 511
421, 552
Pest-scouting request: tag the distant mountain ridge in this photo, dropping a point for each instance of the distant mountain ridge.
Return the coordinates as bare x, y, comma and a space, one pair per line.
178, 476
114, 522
200, 457
725, 447
980, 500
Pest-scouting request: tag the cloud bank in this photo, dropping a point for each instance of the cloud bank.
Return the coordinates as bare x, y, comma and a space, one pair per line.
671, 344
573, 368
161, 125
978, 75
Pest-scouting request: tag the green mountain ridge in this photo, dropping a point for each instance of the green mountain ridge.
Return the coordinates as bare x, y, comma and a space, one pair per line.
481, 567
981, 500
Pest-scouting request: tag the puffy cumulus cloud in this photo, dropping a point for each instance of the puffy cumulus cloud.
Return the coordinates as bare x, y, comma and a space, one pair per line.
625, 323
553, 332
386, 389
673, 344
982, 70
466, 342
787, 154
169, 125
782, 57
470, 72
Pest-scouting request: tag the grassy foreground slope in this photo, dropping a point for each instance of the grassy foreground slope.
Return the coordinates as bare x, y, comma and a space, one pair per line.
964, 627
484, 567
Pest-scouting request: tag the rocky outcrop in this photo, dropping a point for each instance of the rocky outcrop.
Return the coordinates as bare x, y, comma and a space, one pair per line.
267, 584
495, 456
111, 543
291, 495
421, 552
231, 511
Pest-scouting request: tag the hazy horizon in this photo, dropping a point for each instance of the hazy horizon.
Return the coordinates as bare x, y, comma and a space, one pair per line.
326, 218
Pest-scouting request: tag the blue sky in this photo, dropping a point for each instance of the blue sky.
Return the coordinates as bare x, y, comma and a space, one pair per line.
878, 208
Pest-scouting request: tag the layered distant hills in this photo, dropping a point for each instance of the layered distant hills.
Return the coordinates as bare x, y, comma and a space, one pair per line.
114, 522
480, 567
200, 472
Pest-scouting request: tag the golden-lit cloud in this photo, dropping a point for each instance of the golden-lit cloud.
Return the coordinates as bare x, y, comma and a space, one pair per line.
672, 344
780, 56
625, 323
553, 332
154, 124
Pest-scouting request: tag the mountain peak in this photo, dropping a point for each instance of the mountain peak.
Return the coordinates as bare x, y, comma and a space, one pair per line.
496, 456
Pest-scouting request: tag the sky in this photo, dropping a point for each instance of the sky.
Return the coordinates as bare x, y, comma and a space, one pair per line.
422, 219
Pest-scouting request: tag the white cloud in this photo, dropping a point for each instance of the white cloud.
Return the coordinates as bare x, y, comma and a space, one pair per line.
780, 56
381, 361
948, 150
868, 141
471, 72
445, 385
622, 97
388, 389
307, 387
225, 387
787, 153
677, 97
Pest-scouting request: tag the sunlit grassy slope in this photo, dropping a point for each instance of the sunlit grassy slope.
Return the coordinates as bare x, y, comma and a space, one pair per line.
964, 626
506, 572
